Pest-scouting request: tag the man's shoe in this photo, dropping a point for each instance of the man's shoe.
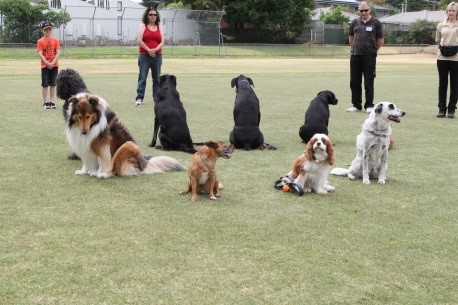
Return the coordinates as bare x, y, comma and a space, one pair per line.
52, 105
451, 115
138, 102
353, 109
46, 105
441, 114
369, 109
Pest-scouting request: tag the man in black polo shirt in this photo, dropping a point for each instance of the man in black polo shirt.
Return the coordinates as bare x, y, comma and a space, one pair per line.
365, 37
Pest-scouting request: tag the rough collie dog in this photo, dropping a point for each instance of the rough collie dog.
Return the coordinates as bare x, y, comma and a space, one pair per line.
310, 170
372, 145
104, 144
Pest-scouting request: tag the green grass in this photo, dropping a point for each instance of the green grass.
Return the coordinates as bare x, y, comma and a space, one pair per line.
67, 239
245, 50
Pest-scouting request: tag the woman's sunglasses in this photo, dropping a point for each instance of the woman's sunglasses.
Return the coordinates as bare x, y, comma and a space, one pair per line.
152, 14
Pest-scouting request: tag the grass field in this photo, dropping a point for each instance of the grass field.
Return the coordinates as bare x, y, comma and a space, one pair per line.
67, 239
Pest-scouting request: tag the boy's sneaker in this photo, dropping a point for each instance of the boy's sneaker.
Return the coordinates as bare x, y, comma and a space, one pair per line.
369, 109
138, 102
52, 105
353, 109
46, 105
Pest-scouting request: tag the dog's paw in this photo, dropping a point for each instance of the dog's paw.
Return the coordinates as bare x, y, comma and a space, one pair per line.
307, 190
321, 192
351, 177
213, 198
93, 174
329, 188
81, 172
366, 181
103, 175
381, 181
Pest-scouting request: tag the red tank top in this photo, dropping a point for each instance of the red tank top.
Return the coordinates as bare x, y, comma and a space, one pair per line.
152, 39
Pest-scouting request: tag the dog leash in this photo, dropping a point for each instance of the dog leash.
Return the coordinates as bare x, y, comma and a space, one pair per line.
294, 188
206, 165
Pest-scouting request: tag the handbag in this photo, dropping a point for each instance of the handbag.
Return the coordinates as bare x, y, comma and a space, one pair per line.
448, 50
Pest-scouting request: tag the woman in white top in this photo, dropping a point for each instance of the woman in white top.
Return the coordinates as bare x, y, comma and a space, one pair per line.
447, 35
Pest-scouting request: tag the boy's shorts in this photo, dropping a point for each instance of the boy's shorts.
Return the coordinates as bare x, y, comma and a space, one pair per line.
49, 76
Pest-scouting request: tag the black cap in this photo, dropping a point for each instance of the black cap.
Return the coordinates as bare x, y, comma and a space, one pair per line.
46, 24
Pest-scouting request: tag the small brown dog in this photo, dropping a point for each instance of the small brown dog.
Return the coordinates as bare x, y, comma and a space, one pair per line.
201, 170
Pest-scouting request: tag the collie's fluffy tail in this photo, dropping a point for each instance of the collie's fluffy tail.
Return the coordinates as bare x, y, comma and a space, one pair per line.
338, 171
162, 164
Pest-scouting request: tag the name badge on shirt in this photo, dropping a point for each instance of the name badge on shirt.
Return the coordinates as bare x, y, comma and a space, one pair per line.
368, 29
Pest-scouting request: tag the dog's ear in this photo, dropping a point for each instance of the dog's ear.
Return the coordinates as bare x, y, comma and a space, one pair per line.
174, 79
73, 99
379, 108
162, 78
234, 82
93, 100
211, 144
250, 81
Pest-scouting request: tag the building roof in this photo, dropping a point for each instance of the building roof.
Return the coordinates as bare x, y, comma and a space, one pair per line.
409, 17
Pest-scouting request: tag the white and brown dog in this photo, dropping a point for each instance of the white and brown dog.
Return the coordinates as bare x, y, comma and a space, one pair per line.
310, 170
372, 145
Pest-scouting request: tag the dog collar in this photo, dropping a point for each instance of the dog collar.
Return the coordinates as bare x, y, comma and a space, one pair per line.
244, 80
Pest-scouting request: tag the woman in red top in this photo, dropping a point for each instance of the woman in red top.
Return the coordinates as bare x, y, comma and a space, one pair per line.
150, 41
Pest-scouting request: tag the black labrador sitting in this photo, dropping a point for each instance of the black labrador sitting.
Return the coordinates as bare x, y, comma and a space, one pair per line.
170, 116
247, 116
317, 115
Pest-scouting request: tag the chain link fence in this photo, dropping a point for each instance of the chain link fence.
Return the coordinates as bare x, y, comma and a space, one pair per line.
93, 26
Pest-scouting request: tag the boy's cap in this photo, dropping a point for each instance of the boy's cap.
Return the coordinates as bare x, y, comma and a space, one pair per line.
46, 24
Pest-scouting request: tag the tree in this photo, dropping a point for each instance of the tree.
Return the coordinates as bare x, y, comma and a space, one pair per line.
261, 20
421, 31
22, 21
334, 16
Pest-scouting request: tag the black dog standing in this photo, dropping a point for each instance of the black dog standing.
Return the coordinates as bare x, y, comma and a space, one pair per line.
247, 116
317, 115
69, 83
170, 118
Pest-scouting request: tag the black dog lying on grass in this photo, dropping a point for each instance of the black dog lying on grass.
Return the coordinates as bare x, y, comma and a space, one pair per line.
247, 116
69, 83
170, 118
317, 115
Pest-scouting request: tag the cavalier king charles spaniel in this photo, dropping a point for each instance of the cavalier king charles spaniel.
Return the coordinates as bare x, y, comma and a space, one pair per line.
310, 170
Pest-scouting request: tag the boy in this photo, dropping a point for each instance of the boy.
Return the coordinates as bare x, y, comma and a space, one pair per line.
48, 49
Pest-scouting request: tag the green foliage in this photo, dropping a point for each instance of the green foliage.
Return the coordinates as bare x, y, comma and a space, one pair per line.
418, 5
215, 5
334, 16
420, 32
22, 21
174, 5
284, 19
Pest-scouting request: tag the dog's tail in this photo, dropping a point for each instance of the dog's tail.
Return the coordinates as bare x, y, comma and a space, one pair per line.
338, 171
162, 164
